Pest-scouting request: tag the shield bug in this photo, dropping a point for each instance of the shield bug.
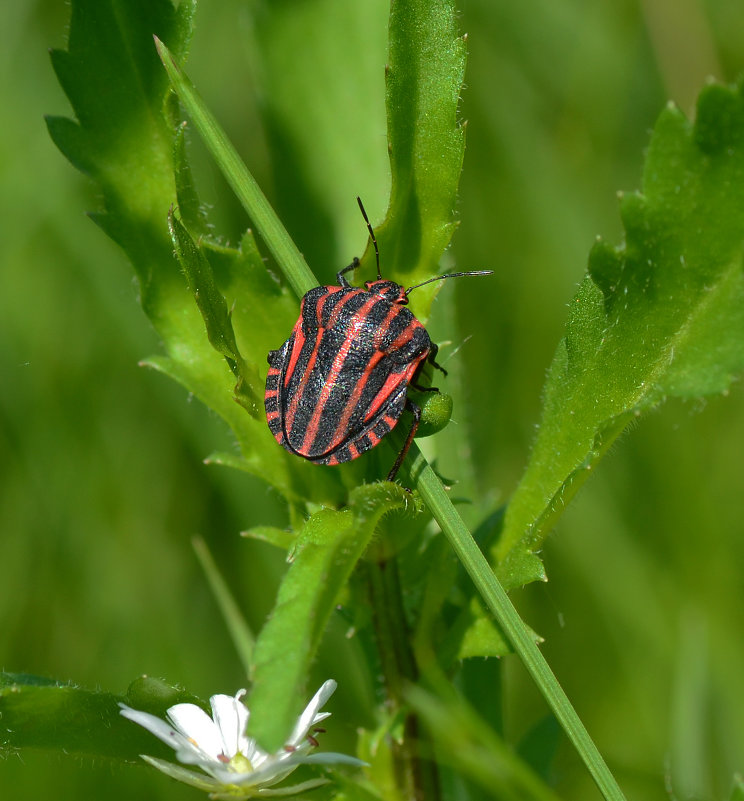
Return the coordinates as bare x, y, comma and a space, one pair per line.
339, 384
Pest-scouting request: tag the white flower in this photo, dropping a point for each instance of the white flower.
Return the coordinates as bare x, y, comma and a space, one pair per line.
233, 765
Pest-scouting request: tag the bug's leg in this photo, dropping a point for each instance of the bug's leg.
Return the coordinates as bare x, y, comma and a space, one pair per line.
416, 412
432, 357
340, 275
414, 382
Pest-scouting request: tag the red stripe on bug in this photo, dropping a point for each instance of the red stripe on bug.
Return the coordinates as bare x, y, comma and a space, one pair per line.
353, 401
331, 379
293, 404
392, 383
307, 371
299, 341
335, 314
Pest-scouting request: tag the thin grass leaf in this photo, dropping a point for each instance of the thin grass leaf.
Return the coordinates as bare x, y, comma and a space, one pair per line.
473, 749
269, 226
240, 632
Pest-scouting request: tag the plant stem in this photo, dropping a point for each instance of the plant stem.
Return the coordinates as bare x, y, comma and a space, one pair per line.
417, 777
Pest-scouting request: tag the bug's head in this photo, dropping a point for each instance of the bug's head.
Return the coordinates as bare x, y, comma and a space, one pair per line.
392, 292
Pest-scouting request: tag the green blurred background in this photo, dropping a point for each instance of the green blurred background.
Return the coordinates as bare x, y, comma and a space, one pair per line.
103, 485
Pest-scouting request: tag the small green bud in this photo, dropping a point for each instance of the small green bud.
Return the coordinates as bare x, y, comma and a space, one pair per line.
436, 412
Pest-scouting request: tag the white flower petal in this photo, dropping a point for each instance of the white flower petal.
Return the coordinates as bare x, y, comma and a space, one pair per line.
199, 729
233, 764
160, 728
310, 715
230, 717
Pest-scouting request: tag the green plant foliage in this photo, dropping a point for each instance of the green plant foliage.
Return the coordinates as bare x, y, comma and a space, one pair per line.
112, 77
328, 548
211, 303
294, 50
476, 751
244, 310
426, 141
38, 713
662, 315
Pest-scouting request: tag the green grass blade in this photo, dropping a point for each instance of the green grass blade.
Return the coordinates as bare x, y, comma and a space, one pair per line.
518, 634
268, 225
473, 749
240, 633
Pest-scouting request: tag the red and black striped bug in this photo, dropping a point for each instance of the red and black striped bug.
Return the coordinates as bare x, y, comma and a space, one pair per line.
339, 384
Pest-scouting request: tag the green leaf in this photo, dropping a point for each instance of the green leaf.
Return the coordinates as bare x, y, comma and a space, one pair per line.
478, 635
156, 696
39, 713
328, 547
208, 298
426, 66
113, 80
661, 315
190, 209
213, 307
473, 749
124, 140
129, 139
336, 48
280, 538
242, 182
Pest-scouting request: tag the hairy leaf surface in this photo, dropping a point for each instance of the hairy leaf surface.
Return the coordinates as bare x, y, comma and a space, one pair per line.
661, 315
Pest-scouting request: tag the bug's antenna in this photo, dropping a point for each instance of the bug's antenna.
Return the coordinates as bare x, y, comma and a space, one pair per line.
449, 275
371, 236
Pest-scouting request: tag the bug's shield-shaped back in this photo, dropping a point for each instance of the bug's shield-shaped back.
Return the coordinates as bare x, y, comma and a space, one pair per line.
338, 384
